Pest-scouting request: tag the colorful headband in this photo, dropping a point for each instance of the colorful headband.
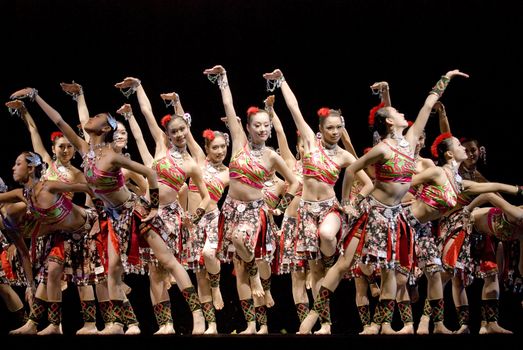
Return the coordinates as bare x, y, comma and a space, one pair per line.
372, 113
439, 139
112, 121
56, 135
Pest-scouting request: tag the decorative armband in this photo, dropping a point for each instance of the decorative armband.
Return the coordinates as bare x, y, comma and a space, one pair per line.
440, 86
285, 201
154, 196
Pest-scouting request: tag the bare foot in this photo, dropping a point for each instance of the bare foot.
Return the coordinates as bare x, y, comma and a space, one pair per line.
483, 328
198, 322
439, 328
52, 329
165, 329
408, 328
263, 330
423, 326
269, 301
308, 322
256, 286
28, 328
212, 329
89, 328
133, 329
324, 329
112, 329
463, 330
217, 300
251, 328
386, 329
371, 329
494, 327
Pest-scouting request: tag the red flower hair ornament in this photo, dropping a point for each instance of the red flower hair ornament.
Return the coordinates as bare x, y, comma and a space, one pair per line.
252, 110
437, 141
209, 134
372, 113
55, 135
323, 112
165, 120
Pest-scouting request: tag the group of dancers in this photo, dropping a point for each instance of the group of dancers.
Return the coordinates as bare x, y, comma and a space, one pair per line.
399, 216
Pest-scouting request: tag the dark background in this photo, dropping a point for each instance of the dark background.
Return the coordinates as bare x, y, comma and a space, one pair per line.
330, 51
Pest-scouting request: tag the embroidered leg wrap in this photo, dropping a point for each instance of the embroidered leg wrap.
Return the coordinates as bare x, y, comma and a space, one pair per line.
463, 314
261, 315
405, 309
38, 310
302, 310
491, 309
19, 317
438, 309
266, 283
214, 280
251, 267
54, 313
191, 297
387, 307
248, 309
322, 305
378, 316
364, 312
162, 313
88, 310
118, 312
106, 309
427, 308
328, 261
129, 315
208, 312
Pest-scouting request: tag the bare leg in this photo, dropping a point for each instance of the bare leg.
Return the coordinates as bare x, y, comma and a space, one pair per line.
403, 302
245, 295
265, 276
54, 294
212, 265
205, 295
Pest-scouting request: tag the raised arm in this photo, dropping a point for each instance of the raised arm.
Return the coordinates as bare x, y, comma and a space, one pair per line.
474, 187
421, 120
283, 145
375, 155
382, 88
76, 91
347, 143
219, 75
134, 84
127, 112
444, 125
36, 139
196, 151
292, 103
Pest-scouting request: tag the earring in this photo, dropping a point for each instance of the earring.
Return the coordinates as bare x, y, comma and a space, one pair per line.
54, 157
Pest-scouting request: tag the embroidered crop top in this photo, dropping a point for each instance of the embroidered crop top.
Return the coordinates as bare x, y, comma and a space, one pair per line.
244, 168
398, 168
499, 225
101, 181
169, 173
214, 185
59, 173
320, 167
56, 213
440, 197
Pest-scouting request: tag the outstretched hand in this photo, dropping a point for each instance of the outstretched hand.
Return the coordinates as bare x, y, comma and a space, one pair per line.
379, 86
125, 109
23, 93
152, 214
456, 72
15, 104
439, 107
128, 82
72, 88
170, 96
269, 101
274, 75
214, 70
